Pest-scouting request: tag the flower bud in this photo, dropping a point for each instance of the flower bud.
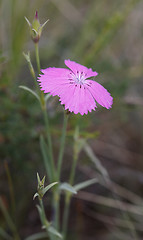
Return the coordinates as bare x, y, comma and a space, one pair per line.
35, 28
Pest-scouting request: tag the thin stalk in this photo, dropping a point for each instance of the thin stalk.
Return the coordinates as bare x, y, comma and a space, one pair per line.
43, 217
61, 152
56, 209
60, 160
56, 200
49, 142
43, 104
43, 211
37, 56
66, 214
68, 196
38, 68
72, 174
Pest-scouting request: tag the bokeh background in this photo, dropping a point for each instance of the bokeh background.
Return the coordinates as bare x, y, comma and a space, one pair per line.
104, 35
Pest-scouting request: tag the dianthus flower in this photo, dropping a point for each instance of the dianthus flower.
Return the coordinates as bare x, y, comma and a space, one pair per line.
76, 91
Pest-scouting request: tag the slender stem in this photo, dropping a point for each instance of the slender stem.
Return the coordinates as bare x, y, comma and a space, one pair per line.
37, 57
56, 209
60, 160
66, 214
72, 174
49, 142
43, 217
38, 68
61, 152
43, 104
43, 211
68, 195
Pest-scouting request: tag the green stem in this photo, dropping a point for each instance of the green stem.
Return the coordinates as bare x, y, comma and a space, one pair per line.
56, 209
38, 68
60, 160
43, 104
68, 196
72, 174
43, 211
37, 57
43, 217
66, 214
61, 152
49, 142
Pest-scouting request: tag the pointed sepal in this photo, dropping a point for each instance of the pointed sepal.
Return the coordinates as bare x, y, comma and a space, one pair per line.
36, 28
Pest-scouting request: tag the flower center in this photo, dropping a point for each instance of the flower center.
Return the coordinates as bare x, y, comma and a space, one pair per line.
78, 77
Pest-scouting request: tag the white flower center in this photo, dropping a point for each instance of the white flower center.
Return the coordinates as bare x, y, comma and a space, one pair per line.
78, 78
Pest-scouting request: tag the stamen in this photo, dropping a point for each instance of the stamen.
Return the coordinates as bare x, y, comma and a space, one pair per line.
78, 77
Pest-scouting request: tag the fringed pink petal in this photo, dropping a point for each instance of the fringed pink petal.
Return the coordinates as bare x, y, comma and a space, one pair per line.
100, 94
77, 99
55, 72
53, 79
76, 67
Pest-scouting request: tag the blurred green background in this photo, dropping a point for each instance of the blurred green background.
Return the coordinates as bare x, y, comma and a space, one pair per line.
108, 37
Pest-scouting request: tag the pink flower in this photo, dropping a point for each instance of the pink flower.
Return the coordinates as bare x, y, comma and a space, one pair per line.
76, 91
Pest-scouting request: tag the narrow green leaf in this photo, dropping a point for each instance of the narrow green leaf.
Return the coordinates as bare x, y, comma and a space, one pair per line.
29, 24
31, 91
35, 195
37, 236
27, 56
44, 24
38, 179
67, 187
46, 158
85, 184
5, 235
48, 187
54, 232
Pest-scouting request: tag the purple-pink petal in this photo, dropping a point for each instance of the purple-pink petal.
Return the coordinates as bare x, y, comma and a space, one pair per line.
100, 94
77, 99
80, 68
52, 80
